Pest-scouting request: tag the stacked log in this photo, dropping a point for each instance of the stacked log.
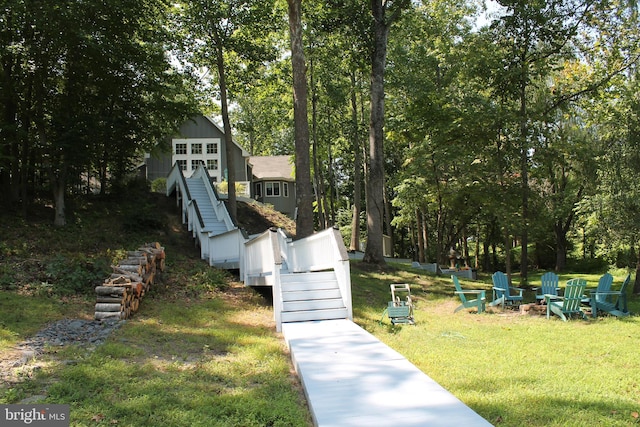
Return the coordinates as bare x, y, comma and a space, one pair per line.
120, 294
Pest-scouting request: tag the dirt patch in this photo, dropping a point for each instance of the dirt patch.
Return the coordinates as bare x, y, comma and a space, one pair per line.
257, 218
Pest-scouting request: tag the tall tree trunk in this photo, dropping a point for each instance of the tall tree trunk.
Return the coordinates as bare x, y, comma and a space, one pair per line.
357, 170
387, 224
420, 233
58, 188
317, 186
375, 192
524, 173
465, 247
507, 253
331, 216
375, 184
425, 235
304, 220
636, 283
232, 205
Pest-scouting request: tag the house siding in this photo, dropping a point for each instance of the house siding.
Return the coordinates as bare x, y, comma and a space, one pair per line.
159, 165
286, 205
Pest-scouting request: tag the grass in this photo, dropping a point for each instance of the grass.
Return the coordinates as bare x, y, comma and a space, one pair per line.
512, 369
203, 350
192, 357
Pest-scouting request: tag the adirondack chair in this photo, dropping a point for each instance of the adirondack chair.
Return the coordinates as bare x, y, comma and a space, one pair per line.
603, 301
601, 292
568, 304
502, 291
478, 302
548, 286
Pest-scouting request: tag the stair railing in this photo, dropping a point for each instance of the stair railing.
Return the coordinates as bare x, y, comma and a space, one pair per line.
284, 243
323, 251
177, 180
226, 250
262, 262
218, 205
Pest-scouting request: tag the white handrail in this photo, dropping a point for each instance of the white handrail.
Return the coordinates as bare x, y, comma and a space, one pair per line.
262, 260
226, 247
218, 205
323, 251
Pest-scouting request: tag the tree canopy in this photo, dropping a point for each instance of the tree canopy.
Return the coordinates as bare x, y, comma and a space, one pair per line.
512, 138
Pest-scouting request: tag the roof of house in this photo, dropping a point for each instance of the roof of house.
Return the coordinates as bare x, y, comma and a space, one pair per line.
272, 167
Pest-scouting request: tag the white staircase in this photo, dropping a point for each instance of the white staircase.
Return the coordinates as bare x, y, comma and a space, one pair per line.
311, 296
309, 277
198, 192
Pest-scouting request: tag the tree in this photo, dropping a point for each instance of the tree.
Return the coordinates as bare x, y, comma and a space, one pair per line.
92, 87
224, 34
304, 220
384, 13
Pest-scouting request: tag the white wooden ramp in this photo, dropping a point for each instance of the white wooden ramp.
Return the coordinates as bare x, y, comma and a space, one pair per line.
353, 379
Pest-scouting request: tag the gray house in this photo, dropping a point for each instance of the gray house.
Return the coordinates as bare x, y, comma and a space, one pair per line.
267, 179
274, 182
199, 140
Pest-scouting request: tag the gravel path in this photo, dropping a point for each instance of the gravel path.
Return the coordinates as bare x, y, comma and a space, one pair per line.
19, 362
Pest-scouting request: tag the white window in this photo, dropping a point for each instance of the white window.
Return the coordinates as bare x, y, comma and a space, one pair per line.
196, 148
182, 164
181, 148
272, 189
195, 163
212, 148
212, 164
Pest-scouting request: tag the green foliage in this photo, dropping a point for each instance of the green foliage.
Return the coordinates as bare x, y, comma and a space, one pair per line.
207, 281
72, 274
588, 265
223, 187
7, 277
103, 92
159, 185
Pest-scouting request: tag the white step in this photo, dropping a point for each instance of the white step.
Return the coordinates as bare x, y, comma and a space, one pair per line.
309, 285
311, 295
304, 316
322, 304
316, 276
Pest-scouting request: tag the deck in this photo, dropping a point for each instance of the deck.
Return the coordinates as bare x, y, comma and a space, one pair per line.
353, 379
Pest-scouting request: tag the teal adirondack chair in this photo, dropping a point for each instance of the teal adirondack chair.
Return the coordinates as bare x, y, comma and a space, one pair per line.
568, 304
601, 292
478, 302
548, 285
502, 291
603, 301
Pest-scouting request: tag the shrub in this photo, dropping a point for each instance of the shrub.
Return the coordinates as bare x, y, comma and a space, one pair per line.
75, 275
159, 185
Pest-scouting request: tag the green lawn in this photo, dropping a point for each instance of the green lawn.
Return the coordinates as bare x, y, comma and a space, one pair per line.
512, 369
203, 351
